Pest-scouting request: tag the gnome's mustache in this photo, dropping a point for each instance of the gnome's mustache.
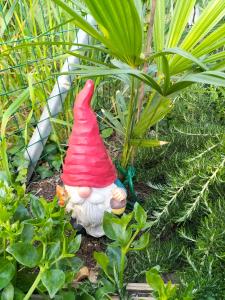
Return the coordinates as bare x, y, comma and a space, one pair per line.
97, 196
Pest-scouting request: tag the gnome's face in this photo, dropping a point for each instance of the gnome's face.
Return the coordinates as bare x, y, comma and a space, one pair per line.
88, 172
88, 205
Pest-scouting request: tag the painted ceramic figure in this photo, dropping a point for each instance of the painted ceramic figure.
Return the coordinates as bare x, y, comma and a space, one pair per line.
89, 176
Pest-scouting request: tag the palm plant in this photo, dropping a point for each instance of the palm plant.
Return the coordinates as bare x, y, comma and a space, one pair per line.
163, 61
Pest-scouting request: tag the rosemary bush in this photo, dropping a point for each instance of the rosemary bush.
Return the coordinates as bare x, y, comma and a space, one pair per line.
187, 181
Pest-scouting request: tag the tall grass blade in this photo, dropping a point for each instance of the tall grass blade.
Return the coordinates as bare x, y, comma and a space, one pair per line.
10, 111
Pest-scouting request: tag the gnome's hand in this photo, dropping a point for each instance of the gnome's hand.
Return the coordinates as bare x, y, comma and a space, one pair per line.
118, 201
119, 194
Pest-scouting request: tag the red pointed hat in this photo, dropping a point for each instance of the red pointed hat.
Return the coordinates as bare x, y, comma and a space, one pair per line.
87, 162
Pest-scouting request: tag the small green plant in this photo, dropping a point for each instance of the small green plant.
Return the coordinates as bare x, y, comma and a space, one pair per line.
127, 235
166, 291
162, 291
37, 245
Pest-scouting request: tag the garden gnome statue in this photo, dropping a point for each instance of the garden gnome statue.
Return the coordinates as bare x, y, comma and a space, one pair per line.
89, 176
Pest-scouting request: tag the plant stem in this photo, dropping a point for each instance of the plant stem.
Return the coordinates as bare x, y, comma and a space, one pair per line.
126, 149
34, 285
147, 52
122, 262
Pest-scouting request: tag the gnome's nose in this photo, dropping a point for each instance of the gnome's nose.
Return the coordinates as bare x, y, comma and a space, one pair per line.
84, 191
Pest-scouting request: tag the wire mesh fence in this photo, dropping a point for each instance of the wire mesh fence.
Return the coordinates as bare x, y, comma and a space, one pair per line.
36, 68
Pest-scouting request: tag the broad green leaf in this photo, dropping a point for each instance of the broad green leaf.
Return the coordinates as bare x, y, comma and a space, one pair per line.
7, 271
140, 215
155, 281
37, 208
27, 233
53, 250
53, 280
141, 243
21, 213
112, 226
74, 244
8, 293
74, 264
147, 143
25, 253
103, 260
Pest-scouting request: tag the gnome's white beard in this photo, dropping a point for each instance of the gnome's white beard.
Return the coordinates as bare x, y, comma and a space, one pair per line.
89, 212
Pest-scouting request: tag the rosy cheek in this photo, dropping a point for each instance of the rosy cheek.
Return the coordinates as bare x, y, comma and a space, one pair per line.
84, 192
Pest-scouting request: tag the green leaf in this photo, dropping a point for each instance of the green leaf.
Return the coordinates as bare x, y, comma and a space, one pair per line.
8, 293
37, 207
53, 280
107, 132
25, 253
21, 213
73, 263
205, 78
155, 110
147, 143
210, 16
79, 21
141, 243
53, 250
120, 24
27, 233
74, 244
7, 271
18, 294
155, 281
182, 53
44, 172
5, 214
108, 288
179, 20
112, 226
159, 30
140, 215
4, 120
103, 260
